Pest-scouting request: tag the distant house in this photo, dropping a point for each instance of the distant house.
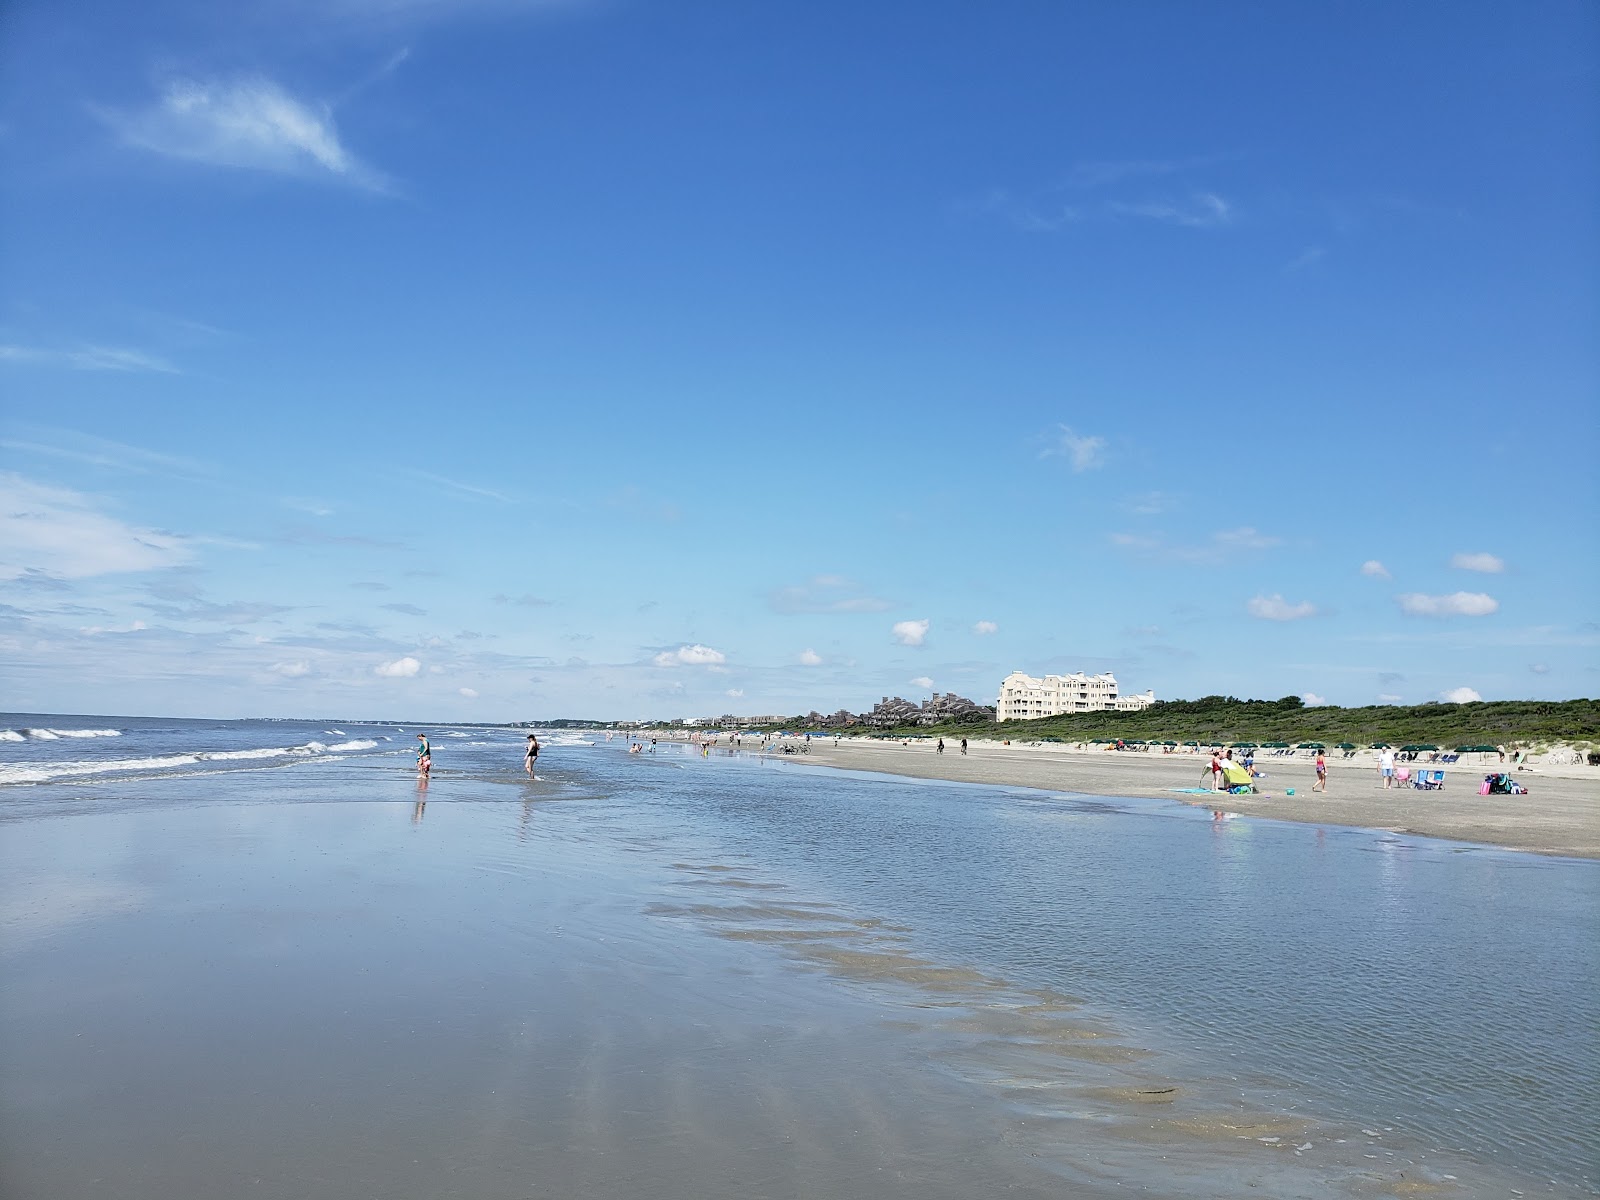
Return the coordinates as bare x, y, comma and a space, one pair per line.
1024, 698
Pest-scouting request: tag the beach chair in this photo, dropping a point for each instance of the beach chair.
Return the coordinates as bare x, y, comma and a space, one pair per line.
1429, 781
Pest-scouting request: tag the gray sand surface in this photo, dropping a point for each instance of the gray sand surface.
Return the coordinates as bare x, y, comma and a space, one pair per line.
1560, 815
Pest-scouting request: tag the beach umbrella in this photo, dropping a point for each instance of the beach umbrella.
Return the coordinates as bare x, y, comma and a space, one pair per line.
1379, 746
1196, 745
1347, 745
1276, 745
1242, 746
1169, 743
1312, 746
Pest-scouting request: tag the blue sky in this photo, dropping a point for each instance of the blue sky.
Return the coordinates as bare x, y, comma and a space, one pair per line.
495, 359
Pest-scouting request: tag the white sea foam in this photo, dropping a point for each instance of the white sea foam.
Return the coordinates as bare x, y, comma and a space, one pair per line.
44, 772
336, 732
11, 735
50, 735
79, 768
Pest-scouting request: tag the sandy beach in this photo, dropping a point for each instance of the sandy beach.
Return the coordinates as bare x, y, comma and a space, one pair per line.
1559, 815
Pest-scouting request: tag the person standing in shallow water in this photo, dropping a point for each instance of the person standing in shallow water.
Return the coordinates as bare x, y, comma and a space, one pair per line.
532, 756
424, 754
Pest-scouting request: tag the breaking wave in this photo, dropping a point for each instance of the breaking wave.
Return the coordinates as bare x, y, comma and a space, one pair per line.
14, 773
50, 735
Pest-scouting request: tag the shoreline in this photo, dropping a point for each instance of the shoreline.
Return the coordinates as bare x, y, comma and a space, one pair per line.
1560, 815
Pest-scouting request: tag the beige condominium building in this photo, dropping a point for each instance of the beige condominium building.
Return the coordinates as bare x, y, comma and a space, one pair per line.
1024, 698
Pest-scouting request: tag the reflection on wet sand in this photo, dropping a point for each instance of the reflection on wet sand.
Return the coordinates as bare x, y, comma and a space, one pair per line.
1085, 1092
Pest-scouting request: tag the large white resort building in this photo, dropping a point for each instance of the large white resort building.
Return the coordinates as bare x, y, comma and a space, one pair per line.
1024, 698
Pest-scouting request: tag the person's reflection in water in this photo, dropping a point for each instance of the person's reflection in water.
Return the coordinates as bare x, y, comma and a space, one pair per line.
422, 800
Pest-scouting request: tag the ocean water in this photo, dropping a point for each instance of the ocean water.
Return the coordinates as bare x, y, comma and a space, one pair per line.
1415, 1001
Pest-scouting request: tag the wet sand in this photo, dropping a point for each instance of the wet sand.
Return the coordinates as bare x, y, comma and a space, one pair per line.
326, 986
1560, 815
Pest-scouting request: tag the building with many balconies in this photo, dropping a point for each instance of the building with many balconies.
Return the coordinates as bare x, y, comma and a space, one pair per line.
1024, 698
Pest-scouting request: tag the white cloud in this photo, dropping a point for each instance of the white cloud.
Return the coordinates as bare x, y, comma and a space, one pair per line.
1083, 451
89, 358
292, 670
910, 633
1457, 604
1460, 695
691, 656
735, 693
1540, 669
250, 123
1374, 569
400, 668
469, 693
1276, 608
1311, 699
810, 658
1389, 698
57, 532
923, 682
94, 630
985, 627
1487, 564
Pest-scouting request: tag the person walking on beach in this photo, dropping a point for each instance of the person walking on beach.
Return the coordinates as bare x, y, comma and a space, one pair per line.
939, 749
1321, 785
532, 755
963, 745
1386, 767
424, 755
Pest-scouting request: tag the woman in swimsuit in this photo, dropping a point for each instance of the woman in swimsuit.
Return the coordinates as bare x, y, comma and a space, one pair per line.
533, 753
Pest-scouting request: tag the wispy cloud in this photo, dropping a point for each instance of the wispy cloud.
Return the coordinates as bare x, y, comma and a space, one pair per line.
409, 610
735, 693
1149, 504
910, 633
825, 594
1456, 604
923, 682
983, 628
1202, 210
1219, 547
1486, 564
1308, 257
1276, 608
62, 533
1374, 569
88, 358
1084, 452
70, 445
526, 600
464, 489
297, 669
400, 668
1081, 195
249, 123
469, 693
